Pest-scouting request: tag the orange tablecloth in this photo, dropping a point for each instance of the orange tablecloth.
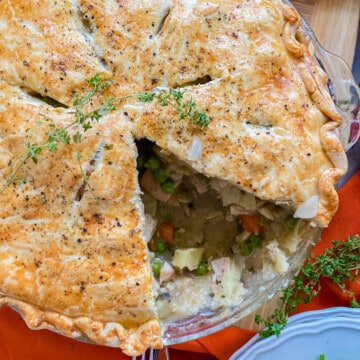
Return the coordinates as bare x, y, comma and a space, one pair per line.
17, 342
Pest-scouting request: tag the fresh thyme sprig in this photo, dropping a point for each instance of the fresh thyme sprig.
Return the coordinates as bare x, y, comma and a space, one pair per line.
339, 263
84, 121
174, 97
57, 135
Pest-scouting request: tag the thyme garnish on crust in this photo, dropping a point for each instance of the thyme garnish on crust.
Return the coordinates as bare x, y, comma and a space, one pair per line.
84, 120
57, 135
174, 97
339, 263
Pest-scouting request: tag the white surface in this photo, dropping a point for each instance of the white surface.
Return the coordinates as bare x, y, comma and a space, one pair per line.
334, 332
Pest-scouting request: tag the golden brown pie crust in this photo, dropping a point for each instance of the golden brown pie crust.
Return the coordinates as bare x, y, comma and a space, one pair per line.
79, 265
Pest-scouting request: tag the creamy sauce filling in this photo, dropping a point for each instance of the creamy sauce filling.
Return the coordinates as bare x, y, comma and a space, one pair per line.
209, 238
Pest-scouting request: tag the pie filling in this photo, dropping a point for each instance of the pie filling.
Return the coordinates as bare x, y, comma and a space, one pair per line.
207, 238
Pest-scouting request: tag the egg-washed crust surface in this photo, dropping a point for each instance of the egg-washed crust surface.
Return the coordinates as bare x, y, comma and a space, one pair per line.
79, 264
69, 260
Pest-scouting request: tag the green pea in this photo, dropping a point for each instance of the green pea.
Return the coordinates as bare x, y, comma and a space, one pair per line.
160, 175
202, 269
245, 249
161, 246
290, 222
153, 163
168, 186
140, 161
254, 241
156, 267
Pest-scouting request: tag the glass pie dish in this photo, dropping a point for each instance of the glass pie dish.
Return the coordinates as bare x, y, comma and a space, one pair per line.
346, 95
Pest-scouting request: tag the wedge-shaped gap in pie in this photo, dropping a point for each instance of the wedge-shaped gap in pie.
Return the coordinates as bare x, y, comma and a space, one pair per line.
208, 237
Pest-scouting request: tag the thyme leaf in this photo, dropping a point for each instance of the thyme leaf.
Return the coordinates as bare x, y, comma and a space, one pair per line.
339, 263
174, 97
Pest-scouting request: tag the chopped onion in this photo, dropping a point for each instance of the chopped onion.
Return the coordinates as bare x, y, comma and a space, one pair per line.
220, 267
166, 272
150, 227
195, 150
308, 208
278, 257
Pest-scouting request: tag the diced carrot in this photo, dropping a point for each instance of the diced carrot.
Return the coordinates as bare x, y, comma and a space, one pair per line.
251, 223
166, 232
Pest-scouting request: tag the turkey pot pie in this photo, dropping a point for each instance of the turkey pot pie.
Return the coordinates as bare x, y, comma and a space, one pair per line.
168, 206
